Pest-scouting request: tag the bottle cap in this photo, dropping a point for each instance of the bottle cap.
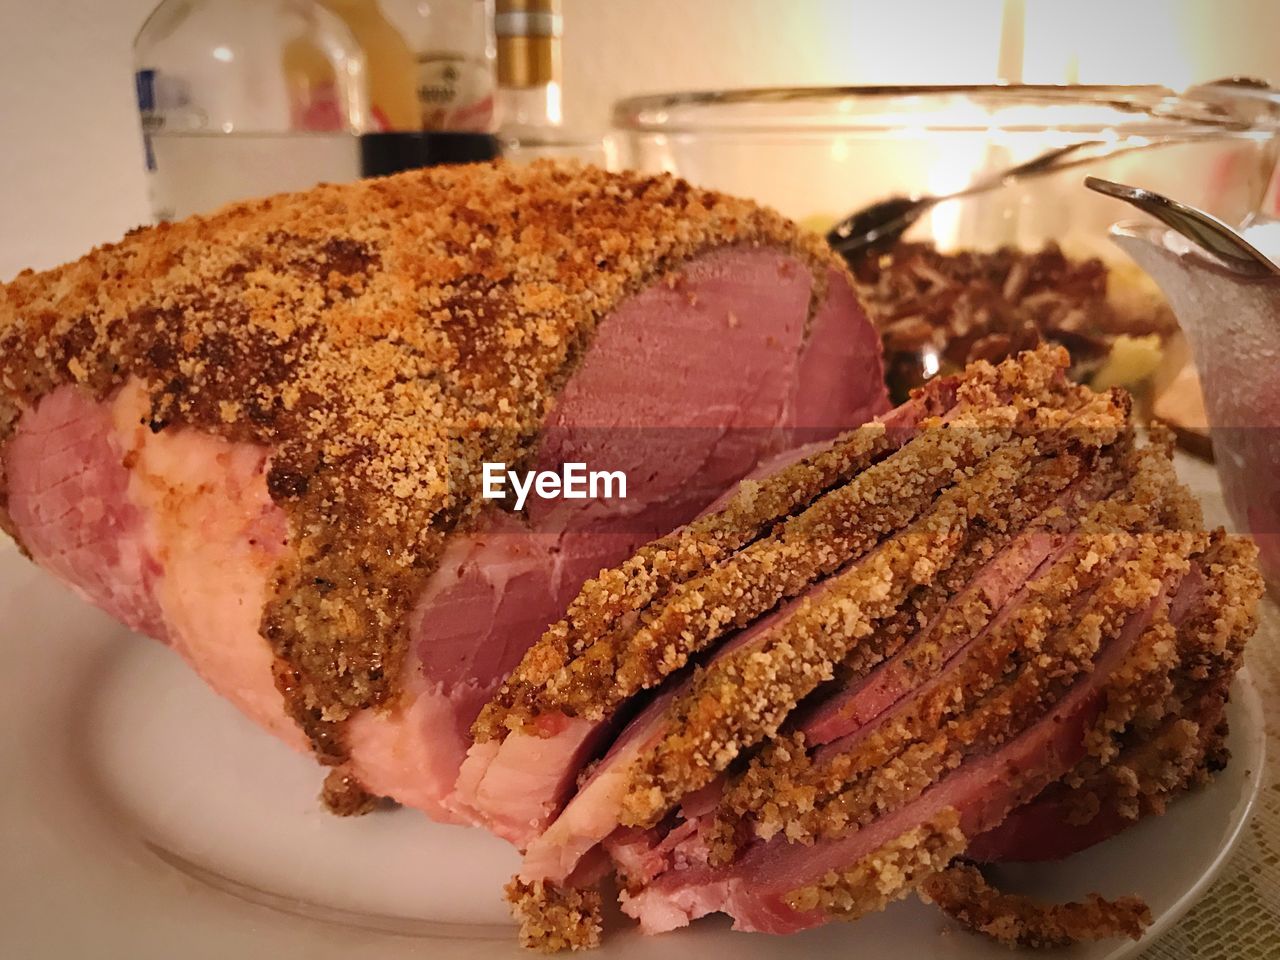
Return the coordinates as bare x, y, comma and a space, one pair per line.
382, 154
528, 18
528, 42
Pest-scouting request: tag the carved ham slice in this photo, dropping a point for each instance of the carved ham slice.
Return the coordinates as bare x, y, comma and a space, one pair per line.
1009, 617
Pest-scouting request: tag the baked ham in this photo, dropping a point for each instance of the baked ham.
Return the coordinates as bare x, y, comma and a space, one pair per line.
988, 625
258, 436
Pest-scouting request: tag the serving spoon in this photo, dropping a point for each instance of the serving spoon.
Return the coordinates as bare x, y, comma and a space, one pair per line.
1200, 228
1231, 103
883, 222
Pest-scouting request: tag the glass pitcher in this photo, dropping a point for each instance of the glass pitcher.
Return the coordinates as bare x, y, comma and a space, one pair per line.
1227, 299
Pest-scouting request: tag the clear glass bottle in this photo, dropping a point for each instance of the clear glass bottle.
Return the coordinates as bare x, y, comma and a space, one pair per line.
453, 45
243, 98
530, 92
529, 66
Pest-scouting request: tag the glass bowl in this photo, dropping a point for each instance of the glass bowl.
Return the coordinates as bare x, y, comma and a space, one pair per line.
816, 154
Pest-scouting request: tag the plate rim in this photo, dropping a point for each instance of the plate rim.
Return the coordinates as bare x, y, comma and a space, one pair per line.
1245, 688
1251, 753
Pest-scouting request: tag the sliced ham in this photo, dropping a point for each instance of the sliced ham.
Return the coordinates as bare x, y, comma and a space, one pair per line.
1155, 763
756, 890
597, 809
998, 582
258, 436
601, 805
834, 736
516, 785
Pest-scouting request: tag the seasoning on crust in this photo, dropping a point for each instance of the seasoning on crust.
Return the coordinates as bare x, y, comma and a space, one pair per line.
965, 895
383, 339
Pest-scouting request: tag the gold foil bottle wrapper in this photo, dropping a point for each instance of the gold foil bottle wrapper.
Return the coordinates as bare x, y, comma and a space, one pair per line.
528, 35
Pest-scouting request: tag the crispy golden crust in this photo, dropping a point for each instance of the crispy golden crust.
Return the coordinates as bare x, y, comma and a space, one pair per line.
869, 885
1164, 735
1158, 563
1148, 774
742, 697
839, 527
888, 874
949, 610
1049, 639
628, 588
552, 919
1213, 639
756, 506
1013, 677
1153, 681
964, 894
589, 675
344, 796
384, 338
782, 790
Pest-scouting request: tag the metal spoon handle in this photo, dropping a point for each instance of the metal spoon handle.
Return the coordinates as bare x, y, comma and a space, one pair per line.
1037, 164
1200, 228
885, 221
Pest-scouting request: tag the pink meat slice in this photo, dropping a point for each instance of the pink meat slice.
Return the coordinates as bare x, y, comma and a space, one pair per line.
521, 785
179, 544
595, 810
861, 702
983, 791
1046, 828
1000, 581
905, 704
840, 717
68, 495
640, 855
174, 532
647, 853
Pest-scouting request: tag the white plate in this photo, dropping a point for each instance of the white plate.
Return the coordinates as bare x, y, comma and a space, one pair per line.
142, 817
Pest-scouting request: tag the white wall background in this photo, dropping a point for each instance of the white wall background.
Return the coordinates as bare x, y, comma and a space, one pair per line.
70, 156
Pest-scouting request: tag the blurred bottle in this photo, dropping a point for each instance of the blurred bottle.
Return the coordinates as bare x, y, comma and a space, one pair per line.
453, 44
391, 66
529, 66
243, 98
530, 111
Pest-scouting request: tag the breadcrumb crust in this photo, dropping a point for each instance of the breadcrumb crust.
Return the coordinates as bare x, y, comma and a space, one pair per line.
1016, 921
552, 918
1130, 558
384, 338
993, 692
740, 699
731, 589
888, 874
